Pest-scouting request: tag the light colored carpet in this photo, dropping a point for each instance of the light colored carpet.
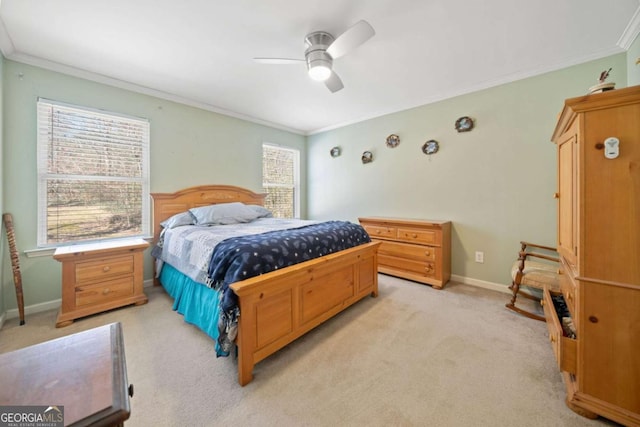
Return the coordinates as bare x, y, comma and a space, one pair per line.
414, 356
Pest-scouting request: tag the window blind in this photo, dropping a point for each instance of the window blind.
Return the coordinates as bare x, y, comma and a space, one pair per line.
93, 174
280, 180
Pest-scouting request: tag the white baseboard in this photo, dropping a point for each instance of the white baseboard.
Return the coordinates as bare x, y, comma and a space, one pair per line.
498, 287
35, 308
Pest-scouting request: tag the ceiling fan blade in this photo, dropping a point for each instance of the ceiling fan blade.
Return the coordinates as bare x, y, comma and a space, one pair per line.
278, 61
334, 83
357, 34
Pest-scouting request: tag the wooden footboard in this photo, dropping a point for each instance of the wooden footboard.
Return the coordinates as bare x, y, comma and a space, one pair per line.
279, 307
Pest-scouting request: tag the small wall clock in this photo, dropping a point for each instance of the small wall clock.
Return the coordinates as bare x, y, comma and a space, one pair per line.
464, 124
430, 147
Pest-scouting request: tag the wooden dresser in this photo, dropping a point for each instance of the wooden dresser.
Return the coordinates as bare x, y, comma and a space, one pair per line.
101, 276
413, 249
599, 246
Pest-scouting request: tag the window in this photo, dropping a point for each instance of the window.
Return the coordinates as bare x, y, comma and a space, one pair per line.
281, 180
93, 175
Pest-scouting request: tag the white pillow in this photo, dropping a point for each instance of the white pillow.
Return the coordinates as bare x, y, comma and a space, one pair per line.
224, 213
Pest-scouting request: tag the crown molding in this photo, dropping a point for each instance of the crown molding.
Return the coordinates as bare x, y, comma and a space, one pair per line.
631, 32
121, 84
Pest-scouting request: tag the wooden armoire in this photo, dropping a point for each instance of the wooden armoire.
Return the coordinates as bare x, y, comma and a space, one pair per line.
599, 245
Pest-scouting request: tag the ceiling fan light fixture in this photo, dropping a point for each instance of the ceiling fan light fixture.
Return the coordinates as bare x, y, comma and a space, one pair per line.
319, 64
319, 71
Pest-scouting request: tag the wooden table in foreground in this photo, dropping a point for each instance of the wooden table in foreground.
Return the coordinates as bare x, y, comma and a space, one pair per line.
84, 372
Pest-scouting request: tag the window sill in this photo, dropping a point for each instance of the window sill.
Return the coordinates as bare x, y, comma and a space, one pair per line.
42, 252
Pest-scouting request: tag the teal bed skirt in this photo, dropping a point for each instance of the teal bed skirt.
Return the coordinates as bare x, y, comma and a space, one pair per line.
195, 301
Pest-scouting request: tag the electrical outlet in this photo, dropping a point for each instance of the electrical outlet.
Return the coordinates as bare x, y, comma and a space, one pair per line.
479, 256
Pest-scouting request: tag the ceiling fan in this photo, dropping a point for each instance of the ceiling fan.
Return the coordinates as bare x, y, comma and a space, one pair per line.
322, 48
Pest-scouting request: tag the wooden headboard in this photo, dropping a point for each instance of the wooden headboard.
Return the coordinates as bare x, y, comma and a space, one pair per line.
166, 205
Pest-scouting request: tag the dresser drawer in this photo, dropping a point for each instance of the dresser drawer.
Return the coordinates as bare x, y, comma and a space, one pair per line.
104, 291
380, 231
564, 348
414, 235
422, 268
103, 268
404, 250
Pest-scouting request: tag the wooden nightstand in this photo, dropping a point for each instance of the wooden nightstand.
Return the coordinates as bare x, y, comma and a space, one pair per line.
99, 277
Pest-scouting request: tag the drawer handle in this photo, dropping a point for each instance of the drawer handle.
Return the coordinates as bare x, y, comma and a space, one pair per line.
427, 253
593, 319
552, 338
428, 267
130, 390
569, 297
106, 268
414, 235
106, 291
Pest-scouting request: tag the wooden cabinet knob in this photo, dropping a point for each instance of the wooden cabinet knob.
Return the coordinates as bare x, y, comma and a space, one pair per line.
427, 253
552, 338
556, 195
106, 268
593, 319
414, 235
105, 291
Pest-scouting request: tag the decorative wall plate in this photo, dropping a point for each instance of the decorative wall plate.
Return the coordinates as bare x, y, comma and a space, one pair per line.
464, 124
367, 157
393, 140
430, 147
335, 151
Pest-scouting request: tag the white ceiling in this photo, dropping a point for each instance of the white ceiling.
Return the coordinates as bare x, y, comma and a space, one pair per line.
200, 51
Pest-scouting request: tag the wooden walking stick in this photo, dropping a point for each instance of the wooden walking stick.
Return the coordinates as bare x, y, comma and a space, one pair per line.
15, 263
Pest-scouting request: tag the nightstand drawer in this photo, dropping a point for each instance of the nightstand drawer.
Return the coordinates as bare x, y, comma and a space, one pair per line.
380, 231
104, 291
104, 268
405, 250
427, 237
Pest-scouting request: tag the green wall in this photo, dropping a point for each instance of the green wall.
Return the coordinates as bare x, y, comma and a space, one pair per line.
494, 183
189, 146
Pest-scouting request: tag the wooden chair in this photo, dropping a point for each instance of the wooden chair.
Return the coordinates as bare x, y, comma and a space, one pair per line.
533, 275
15, 263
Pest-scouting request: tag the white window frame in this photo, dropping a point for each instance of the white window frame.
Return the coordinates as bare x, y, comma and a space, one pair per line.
43, 142
296, 175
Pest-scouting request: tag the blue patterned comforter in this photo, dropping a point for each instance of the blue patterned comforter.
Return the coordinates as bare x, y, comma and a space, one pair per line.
240, 258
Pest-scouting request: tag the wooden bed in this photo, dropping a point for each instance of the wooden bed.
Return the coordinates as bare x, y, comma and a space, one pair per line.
278, 307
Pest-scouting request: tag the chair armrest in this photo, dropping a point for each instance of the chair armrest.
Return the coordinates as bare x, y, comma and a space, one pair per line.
537, 255
549, 248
